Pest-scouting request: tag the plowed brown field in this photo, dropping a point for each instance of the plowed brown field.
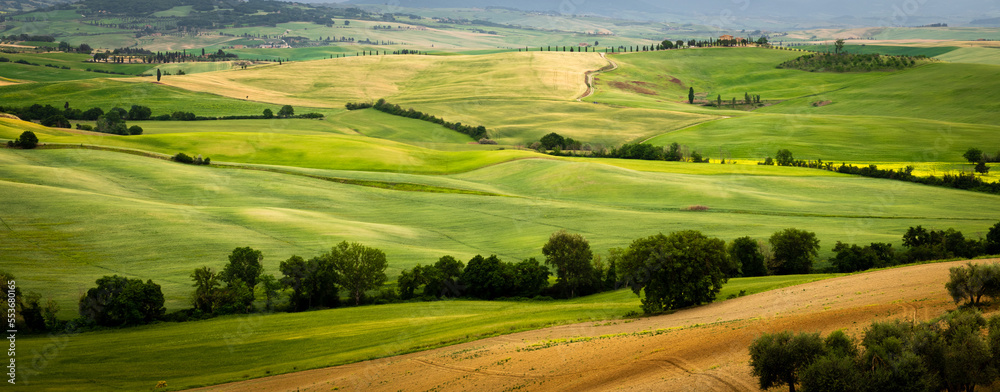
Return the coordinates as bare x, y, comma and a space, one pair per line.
699, 349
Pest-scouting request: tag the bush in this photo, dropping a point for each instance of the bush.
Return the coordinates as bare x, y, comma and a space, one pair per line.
183, 158
487, 141
27, 141
135, 130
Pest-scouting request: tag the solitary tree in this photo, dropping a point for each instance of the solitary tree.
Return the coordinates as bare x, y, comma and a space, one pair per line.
360, 268
691, 95
981, 167
794, 251
158, 74
27, 140
268, 114
973, 155
840, 45
286, 111
570, 254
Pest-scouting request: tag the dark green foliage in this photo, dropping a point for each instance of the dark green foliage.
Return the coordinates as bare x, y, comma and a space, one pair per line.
268, 114
139, 113
683, 269
475, 132
691, 95
442, 279
529, 278
158, 74
118, 301
135, 130
784, 158
745, 252
360, 268
993, 240
184, 158
981, 168
571, 256
313, 282
485, 278
973, 155
27, 313
92, 114
27, 141
552, 141
57, 121
853, 258
244, 265
831, 374
794, 251
847, 62
112, 122
208, 294
973, 282
923, 244
643, 151
778, 359
286, 111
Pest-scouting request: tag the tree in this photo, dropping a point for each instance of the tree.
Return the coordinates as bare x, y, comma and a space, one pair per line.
794, 251
718, 101
552, 141
118, 301
777, 359
286, 111
973, 155
139, 113
158, 74
839, 45
57, 121
112, 122
973, 282
485, 278
981, 167
683, 269
691, 95
360, 268
268, 114
269, 287
993, 240
135, 130
27, 140
745, 252
442, 279
570, 255
529, 278
244, 265
207, 292
784, 157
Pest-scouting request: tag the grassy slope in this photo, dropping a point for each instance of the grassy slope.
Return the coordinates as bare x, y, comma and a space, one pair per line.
869, 106
239, 347
973, 55
74, 209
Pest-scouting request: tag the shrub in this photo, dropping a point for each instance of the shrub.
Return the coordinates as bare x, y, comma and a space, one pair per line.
135, 130
183, 158
27, 141
487, 141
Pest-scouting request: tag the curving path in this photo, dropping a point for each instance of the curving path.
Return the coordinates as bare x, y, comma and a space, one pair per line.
589, 76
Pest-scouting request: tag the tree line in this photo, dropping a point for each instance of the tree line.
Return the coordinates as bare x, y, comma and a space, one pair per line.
672, 271
962, 180
849, 62
114, 121
475, 132
954, 352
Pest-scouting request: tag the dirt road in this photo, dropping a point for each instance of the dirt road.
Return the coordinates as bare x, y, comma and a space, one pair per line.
700, 349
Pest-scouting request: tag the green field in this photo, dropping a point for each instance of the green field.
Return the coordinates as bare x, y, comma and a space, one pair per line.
241, 347
935, 51
86, 205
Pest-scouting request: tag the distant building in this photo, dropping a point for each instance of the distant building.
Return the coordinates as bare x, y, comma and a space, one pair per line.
728, 37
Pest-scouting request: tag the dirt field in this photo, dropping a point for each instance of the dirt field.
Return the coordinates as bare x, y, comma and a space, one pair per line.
700, 349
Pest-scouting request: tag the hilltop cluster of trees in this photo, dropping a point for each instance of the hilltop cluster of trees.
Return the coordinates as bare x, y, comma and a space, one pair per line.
475, 132
848, 62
